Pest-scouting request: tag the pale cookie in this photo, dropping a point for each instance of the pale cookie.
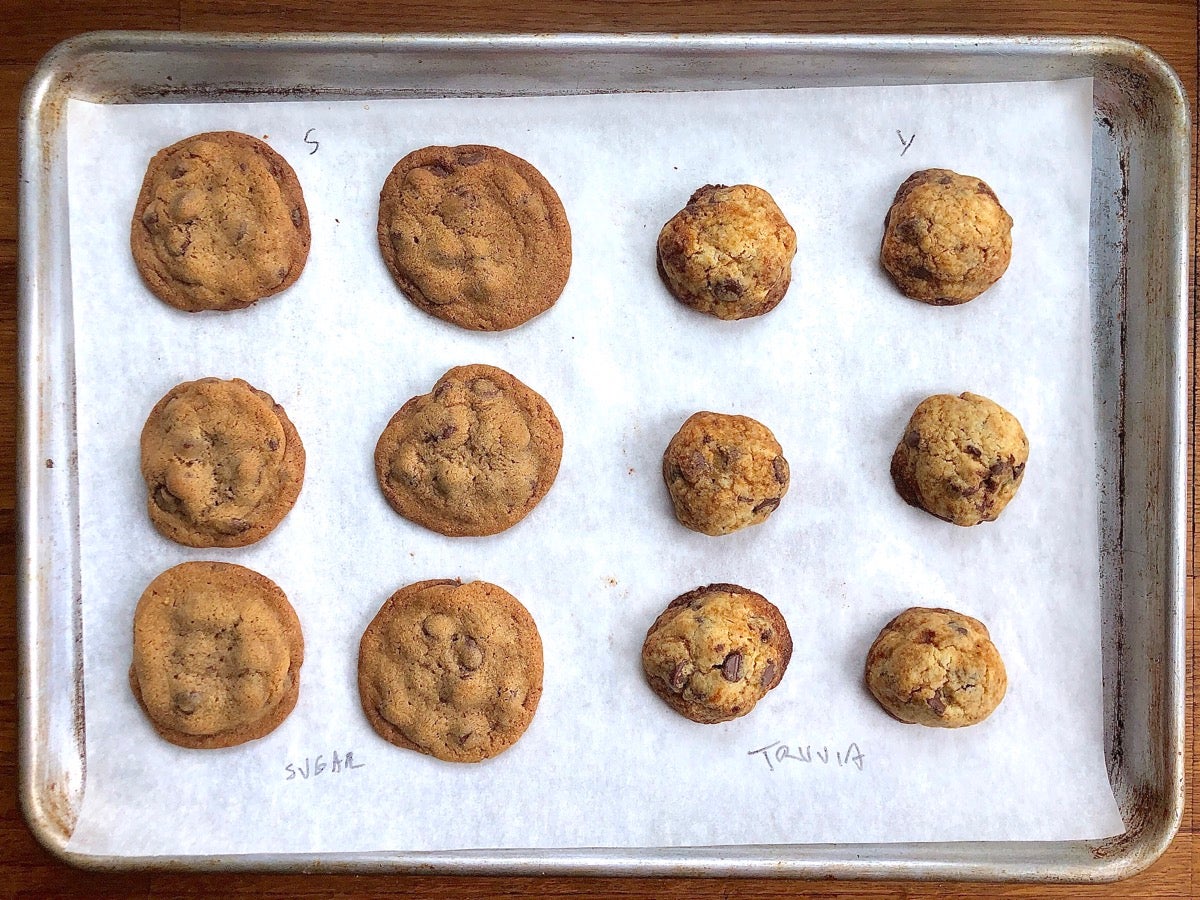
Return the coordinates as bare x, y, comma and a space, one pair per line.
217, 651
220, 223
946, 238
222, 463
960, 458
474, 236
936, 667
728, 253
451, 670
724, 472
473, 456
714, 652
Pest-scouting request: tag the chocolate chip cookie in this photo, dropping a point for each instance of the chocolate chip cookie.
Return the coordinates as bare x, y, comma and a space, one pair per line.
220, 223
473, 456
451, 670
714, 652
474, 236
217, 651
960, 458
728, 253
946, 238
724, 472
222, 462
936, 667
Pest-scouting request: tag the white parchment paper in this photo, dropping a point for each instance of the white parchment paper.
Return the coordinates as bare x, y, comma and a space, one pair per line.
835, 371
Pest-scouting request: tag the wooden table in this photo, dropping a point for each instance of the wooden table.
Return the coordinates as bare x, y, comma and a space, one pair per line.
33, 26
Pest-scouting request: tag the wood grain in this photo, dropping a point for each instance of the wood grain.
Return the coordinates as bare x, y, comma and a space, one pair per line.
32, 28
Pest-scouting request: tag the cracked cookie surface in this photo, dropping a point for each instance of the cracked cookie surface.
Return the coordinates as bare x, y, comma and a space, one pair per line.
473, 456
714, 652
222, 463
474, 235
960, 458
451, 670
724, 472
936, 667
728, 252
946, 238
217, 651
220, 223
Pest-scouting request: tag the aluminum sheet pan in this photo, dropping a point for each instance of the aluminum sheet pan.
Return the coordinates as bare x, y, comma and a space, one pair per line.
1138, 277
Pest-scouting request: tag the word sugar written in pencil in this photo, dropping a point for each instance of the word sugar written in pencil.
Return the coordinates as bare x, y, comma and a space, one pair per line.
321, 765
778, 754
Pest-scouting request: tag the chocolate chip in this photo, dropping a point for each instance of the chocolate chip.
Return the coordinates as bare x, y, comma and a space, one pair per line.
187, 702
999, 468
694, 465
678, 676
768, 674
936, 703
729, 286
297, 217
908, 231
912, 439
729, 455
165, 500
779, 466
441, 170
927, 636
441, 388
471, 157
470, 655
767, 506
731, 669
955, 626
920, 273
945, 179
974, 451
1018, 471
447, 431
767, 634
272, 443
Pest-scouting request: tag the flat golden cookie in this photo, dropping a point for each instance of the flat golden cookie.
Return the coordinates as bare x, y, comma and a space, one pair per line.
220, 223
473, 456
728, 253
946, 238
474, 235
961, 458
451, 670
222, 462
714, 652
724, 472
936, 667
217, 651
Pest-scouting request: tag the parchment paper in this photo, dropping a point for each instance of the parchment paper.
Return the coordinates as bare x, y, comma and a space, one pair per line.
835, 371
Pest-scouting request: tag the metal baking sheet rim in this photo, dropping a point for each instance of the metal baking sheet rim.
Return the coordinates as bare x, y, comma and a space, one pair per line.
1147, 102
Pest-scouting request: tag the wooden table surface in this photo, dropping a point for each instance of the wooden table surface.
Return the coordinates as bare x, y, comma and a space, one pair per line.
34, 26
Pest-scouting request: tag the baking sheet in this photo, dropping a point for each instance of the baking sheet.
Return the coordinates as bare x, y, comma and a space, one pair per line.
834, 371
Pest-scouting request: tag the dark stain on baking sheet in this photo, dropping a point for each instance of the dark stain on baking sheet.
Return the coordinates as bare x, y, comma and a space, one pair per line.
1138, 812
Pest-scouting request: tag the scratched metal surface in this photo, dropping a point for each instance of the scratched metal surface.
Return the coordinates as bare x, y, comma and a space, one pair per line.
1138, 284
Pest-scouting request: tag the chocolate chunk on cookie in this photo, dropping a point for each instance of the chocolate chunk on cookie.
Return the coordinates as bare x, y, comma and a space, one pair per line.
960, 458
716, 651
217, 651
220, 223
936, 667
724, 472
222, 463
946, 238
728, 253
473, 456
451, 670
474, 236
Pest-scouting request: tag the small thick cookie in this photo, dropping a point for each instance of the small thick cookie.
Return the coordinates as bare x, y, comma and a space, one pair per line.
473, 456
220, 223
474, 236
946, 238
728, 253
724, 472
451, 670
217, 651
936, 667
222, 462
714, 652
961, 458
